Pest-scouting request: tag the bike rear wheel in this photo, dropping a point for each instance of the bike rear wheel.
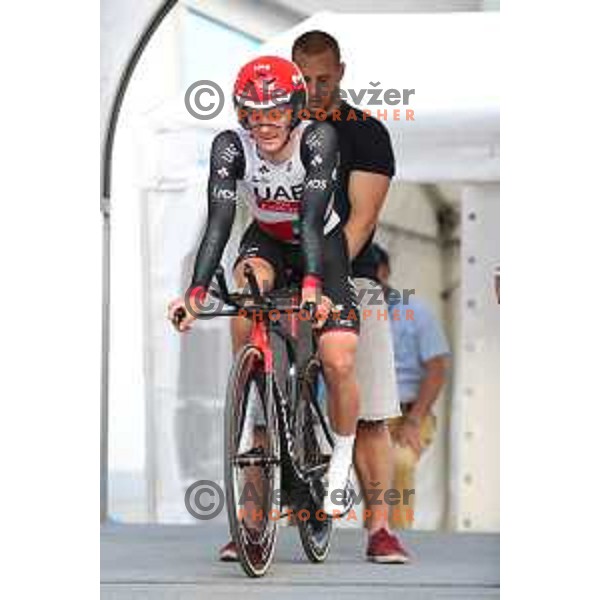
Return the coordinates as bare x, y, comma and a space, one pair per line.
313, 449
252, 462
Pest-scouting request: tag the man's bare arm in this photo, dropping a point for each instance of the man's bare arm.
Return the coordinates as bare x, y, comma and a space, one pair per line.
367, 192
436, 370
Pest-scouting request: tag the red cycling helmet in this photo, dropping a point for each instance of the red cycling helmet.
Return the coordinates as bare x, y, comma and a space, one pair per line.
269, 82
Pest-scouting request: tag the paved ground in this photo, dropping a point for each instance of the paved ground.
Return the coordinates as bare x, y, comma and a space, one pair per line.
169, 562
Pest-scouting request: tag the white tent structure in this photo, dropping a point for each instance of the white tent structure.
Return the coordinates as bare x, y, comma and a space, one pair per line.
451, 61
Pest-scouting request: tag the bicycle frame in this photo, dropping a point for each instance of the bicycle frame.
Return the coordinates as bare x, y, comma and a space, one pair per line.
260, 337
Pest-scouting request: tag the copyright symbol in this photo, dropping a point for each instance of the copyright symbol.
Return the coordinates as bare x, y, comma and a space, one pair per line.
204, 99
208, 306
204, 499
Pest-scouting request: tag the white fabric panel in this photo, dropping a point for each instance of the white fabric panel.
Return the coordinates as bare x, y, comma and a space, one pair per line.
186, 374
452, 63
154, 80
121, 22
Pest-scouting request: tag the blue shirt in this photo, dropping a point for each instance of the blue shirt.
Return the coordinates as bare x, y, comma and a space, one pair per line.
418, 337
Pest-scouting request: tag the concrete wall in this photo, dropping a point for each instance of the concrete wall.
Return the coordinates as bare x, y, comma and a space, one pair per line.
475, 420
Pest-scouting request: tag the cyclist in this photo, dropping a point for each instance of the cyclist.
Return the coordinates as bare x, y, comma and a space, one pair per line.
284, 167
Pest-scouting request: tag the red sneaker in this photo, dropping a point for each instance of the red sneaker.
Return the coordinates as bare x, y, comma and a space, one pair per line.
229, 553
386, 548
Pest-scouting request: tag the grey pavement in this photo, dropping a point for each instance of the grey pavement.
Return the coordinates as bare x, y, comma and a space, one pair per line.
172, 562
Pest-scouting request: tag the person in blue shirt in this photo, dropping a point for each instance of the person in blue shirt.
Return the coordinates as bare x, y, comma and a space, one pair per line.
421, 358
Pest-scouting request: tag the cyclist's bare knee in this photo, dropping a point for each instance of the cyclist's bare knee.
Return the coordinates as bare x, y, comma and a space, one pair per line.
337, 350
263, 271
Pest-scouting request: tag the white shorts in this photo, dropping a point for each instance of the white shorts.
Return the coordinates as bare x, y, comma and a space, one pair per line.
375, 370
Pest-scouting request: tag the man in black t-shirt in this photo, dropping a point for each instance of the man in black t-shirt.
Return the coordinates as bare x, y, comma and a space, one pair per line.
366, 168
365, 153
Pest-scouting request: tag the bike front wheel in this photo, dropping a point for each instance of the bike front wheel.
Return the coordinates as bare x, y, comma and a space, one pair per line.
252, 461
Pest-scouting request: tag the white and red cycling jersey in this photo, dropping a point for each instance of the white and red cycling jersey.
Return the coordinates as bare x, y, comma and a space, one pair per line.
292, 201
273, 192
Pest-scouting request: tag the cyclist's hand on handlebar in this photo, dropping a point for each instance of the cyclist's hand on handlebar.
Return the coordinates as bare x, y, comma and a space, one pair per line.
319, 305
178, 315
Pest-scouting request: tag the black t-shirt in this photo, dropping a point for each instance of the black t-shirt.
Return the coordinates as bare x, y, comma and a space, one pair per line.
364, 146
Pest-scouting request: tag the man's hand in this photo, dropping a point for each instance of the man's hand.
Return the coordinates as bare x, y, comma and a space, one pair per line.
177, 307
408, 434
323, 304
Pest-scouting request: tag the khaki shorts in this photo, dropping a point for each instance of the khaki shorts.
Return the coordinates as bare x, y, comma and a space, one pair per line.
375, 369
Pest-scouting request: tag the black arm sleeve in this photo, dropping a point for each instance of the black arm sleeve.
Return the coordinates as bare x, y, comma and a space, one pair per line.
227, 165
319, 155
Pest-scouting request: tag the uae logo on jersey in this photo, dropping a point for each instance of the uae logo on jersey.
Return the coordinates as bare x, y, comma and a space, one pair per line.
278, 195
